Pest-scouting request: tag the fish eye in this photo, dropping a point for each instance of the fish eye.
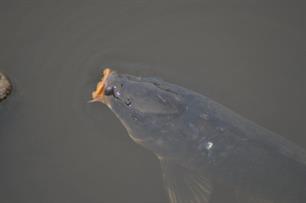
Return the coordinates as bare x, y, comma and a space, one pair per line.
128, 102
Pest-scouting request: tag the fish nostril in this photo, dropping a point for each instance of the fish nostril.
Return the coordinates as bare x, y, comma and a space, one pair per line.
108, 91
116, 92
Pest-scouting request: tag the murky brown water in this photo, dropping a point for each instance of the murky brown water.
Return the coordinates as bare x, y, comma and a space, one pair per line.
55, 147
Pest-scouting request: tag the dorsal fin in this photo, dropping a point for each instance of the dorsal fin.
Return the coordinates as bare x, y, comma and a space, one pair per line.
184, 185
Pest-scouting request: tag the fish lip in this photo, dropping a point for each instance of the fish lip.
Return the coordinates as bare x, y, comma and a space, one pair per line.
102, 94
99, 94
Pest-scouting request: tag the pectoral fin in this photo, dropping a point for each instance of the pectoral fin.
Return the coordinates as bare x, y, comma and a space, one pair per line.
184, 185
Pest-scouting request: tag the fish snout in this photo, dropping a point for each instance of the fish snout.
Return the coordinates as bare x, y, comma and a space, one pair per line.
102, 89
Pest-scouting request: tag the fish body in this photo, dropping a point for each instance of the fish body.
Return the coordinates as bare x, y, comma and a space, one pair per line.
204, 146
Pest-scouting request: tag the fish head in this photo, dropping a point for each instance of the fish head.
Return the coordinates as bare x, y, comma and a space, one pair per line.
147, 107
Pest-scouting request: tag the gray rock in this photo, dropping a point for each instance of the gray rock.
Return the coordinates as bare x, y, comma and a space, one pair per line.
5, 87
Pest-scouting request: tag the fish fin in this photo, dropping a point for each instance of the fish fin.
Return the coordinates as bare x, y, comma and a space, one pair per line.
255, 200
251, 198
185, 185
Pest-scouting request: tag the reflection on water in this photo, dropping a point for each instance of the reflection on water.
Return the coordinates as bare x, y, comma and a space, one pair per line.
55, 147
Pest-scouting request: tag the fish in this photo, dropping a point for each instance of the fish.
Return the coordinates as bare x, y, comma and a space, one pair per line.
203, 146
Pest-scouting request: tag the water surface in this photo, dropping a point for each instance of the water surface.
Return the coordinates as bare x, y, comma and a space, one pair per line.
55, 147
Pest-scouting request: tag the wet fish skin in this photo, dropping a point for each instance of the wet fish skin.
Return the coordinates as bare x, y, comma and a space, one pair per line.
190, 131
148, 119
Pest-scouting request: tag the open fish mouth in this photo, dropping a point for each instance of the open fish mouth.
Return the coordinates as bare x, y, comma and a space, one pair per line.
99, 93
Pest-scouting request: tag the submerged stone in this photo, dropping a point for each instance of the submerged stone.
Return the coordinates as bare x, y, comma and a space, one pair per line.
5, 87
